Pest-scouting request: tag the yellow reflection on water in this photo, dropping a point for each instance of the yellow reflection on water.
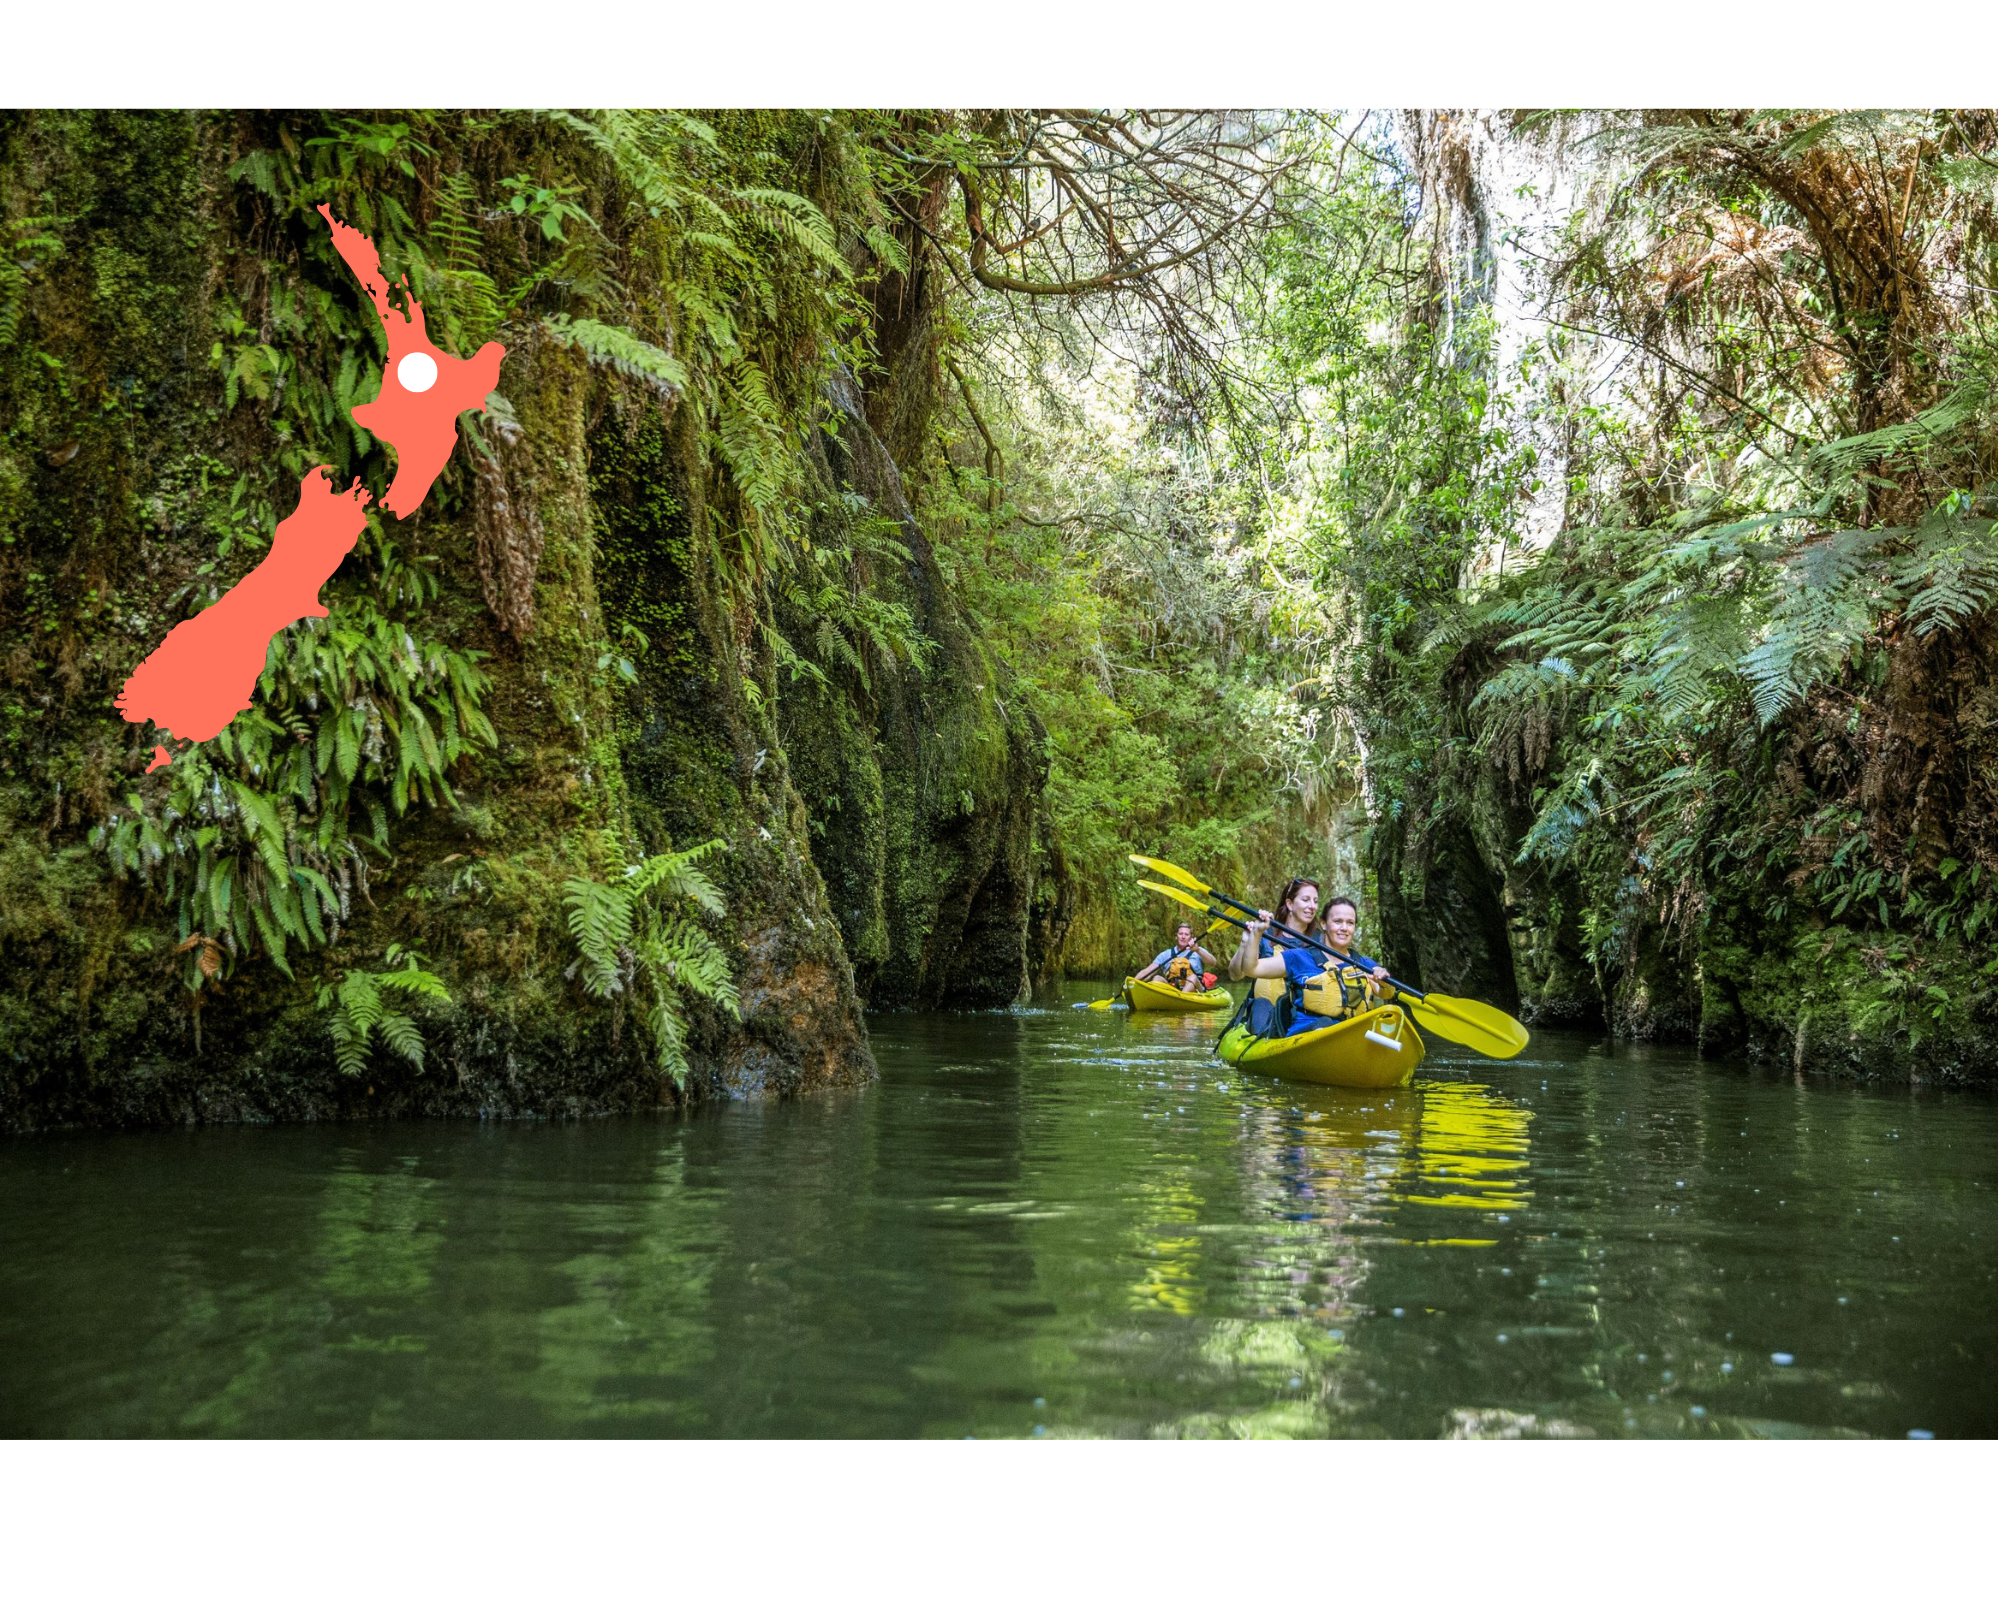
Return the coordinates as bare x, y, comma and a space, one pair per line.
1170, 1279
1472, 1147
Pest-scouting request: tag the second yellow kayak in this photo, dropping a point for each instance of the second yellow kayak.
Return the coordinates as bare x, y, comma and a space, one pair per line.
1152, 996
1379, 1049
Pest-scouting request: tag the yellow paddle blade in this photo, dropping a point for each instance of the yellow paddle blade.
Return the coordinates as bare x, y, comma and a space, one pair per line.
1167, 869
1172, 893
1472, 1023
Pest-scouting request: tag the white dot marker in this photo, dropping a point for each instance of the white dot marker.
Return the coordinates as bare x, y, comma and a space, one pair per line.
416, 372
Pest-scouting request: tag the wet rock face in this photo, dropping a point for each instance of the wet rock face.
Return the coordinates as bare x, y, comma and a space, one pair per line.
700, 759
922, 780
1443, 921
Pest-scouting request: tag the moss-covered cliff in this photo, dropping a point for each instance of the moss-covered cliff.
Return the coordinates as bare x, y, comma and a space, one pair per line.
600, 577
921, 776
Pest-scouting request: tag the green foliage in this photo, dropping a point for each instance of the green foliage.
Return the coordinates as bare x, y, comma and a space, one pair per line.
1695, 688
619, 350
764, 302
254, 840
638, 927
364, 1007
26, 244
842, 620
1116, 585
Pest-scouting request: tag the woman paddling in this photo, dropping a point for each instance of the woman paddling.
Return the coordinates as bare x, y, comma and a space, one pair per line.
1297, 907
1322, 991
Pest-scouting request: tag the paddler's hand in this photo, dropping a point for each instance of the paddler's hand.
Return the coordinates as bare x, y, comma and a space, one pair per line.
1250, 949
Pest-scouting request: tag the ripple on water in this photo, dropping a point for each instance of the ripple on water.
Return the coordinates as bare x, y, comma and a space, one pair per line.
1041, 1218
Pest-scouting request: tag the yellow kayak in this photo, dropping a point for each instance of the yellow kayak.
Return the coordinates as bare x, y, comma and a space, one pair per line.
1155, 996
1377, 1050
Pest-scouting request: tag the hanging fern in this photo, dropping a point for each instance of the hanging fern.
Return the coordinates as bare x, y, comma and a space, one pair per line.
364, 1007
620, 350
638, 926
468, 297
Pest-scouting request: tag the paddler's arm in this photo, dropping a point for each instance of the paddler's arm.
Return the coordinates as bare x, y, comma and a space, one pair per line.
1246, 963
1245, 953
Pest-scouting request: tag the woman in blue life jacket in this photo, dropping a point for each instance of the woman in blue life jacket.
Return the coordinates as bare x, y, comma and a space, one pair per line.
1180, 963
1297, 907
1322, 992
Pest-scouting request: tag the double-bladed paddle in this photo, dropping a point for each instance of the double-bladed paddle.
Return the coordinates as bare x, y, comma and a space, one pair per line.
1472, 1023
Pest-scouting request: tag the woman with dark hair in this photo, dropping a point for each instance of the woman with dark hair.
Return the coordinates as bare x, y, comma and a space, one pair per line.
1322, 992
1297, 907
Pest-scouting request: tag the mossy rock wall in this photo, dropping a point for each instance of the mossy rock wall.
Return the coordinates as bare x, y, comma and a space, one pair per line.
922, 781
108, 401
1756, 973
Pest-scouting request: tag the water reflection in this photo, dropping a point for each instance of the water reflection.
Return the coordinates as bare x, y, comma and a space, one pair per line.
1053, 1221
1472, 1153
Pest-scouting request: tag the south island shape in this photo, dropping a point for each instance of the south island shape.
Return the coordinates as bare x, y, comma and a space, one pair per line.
203, 672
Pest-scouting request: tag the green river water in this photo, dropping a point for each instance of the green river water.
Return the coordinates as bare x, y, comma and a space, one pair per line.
1044, 1222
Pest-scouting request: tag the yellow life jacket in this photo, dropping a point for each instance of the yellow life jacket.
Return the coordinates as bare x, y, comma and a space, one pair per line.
1268, 989
1179, 969
1337, 992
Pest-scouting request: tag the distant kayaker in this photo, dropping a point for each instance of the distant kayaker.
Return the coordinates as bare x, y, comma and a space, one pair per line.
1322, 992
1298, 905
1180, 964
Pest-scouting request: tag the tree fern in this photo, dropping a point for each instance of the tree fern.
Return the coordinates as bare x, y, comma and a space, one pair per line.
1950, 575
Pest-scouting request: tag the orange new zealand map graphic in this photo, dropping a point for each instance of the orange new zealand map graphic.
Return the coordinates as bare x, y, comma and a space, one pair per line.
203, 672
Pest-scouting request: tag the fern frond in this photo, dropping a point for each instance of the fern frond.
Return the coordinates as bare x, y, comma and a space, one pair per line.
751, 437
350, 1050
1972, 400
1949, 576
415, 981
600, 921
678, 874
401, 1036
626, 919
1523, 680
795, 218
685, 953
620, 350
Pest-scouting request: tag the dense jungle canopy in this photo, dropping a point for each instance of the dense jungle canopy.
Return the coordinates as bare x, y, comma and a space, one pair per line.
1570, 532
